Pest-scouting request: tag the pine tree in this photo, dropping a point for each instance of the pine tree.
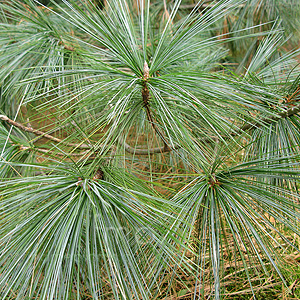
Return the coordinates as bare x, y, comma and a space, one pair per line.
143, 144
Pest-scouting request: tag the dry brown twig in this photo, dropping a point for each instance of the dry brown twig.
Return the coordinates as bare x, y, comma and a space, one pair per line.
41, 133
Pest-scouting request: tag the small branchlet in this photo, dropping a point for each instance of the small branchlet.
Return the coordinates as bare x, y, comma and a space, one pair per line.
41, 133
146, 97
145, 90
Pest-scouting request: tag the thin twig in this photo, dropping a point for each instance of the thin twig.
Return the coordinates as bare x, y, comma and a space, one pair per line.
288, 113
41, 133
264, 121
128, 148
146, 96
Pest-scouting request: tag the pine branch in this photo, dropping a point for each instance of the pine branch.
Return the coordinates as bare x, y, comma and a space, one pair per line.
42, 134
128, 148
288, 113
146, 96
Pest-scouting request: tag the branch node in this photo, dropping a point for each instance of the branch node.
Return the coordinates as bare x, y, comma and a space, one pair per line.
99, 175
213, 181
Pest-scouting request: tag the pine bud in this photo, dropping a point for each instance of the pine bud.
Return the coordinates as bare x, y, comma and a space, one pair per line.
146, 71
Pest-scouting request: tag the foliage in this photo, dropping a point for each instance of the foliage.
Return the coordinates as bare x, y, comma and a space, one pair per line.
141, 145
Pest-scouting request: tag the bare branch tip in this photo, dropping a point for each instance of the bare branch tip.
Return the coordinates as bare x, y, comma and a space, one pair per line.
146, 71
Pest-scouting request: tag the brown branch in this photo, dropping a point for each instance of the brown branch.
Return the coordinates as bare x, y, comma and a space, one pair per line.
146, 96
128, 148
145, 93
264, 121
73, 123
288, 113
41, 133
